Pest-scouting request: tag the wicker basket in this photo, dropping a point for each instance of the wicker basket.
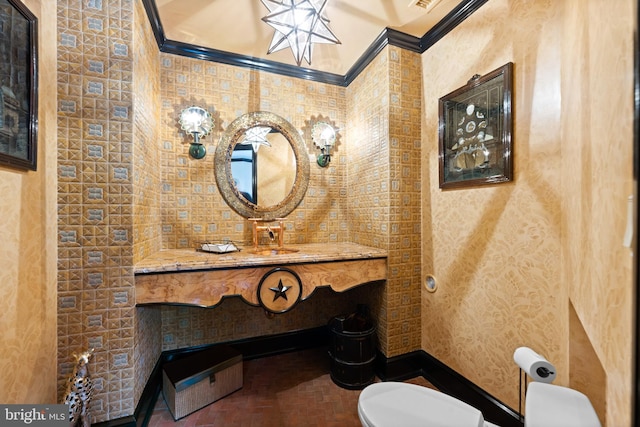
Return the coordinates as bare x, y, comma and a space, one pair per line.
195, 381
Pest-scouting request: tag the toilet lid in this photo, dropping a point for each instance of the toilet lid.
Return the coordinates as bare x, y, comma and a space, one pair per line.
392, 404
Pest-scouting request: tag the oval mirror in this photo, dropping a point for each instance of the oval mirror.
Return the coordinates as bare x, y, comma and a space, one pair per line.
262, 166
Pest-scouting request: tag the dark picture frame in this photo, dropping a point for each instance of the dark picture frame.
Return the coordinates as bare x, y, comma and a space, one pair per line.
475, 131
18, 86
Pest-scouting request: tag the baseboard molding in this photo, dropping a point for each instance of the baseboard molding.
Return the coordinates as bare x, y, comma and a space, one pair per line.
420, 363
399, 368
264, 346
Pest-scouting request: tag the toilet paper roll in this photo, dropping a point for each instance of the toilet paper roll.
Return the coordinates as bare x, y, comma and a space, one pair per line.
536, 366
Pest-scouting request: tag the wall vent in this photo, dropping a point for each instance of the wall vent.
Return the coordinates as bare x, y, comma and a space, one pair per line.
424, 4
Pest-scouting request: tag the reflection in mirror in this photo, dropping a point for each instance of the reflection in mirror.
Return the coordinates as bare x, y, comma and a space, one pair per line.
262, 174
244, 164
256, 137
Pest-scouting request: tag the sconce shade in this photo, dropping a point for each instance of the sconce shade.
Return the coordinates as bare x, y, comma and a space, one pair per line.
197, 121
323, 135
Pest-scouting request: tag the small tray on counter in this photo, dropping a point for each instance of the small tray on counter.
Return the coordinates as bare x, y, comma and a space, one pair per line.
218, 248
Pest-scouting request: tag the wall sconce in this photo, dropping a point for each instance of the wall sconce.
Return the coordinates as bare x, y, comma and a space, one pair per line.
324, 137
197, 122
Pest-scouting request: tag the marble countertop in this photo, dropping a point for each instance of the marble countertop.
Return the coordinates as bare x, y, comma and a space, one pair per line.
173, 260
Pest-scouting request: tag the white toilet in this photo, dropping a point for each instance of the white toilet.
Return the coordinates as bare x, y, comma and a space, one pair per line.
548, 405
393, 404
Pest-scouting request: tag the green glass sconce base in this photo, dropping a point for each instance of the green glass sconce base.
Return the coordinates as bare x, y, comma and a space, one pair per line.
324, 160
197, 151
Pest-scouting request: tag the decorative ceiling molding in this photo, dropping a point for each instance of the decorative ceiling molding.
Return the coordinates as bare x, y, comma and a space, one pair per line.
388, 37
454, 18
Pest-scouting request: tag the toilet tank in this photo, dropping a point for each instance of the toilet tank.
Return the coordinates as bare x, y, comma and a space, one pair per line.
549, 405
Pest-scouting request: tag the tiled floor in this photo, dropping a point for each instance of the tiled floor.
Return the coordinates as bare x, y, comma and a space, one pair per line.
292, 389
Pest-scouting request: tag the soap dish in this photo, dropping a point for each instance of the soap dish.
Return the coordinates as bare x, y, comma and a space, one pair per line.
219, 248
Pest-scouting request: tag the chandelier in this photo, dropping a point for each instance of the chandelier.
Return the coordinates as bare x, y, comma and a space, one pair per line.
298, 24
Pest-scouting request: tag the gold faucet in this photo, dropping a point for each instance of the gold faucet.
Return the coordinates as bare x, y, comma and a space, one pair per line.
270, 229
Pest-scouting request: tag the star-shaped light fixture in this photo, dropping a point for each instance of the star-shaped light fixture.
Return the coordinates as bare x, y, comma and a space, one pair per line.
256, 136
280, 291
298, 24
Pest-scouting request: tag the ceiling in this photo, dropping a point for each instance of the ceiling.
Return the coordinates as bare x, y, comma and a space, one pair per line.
236, 27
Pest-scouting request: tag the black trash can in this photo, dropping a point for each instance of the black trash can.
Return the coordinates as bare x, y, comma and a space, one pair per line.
352, 350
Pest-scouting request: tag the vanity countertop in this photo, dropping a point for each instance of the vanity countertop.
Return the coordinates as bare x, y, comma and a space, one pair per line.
175, 260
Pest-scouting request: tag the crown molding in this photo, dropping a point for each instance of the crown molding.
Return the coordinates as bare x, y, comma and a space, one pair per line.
387, 37
454, 18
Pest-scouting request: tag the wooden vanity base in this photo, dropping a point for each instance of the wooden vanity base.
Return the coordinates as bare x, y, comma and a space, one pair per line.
206, 287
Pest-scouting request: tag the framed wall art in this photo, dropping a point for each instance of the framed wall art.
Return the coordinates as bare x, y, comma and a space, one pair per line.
18, 86
475, 131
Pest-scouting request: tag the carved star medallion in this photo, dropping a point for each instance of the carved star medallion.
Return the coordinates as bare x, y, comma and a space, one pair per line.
280, 291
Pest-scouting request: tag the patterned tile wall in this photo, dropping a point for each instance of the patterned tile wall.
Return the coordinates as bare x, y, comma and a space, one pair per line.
147, 177
95, 198
404, 223
368, 183
146, 188
384, 116
193, 209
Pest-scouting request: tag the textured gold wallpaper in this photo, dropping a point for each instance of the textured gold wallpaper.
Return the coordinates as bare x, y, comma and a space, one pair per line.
597, 128
28, 250
510, 258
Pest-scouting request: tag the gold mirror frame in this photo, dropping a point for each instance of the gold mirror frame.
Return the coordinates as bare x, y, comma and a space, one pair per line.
224, 177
